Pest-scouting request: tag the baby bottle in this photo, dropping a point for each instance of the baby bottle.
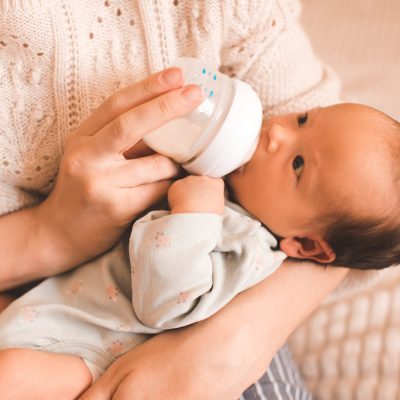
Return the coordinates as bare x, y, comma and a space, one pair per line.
221, 134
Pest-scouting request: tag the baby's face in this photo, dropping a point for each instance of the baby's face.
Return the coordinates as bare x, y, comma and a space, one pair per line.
308, 164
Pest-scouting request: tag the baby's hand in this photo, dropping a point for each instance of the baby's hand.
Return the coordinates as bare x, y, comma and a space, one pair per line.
197, 194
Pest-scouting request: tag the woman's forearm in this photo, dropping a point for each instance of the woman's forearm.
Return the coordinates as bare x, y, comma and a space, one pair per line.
260, 320
280, 303
28, 249
17, 233
18, 264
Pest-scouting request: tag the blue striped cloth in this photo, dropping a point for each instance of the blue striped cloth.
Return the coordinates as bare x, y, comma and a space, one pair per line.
280, 382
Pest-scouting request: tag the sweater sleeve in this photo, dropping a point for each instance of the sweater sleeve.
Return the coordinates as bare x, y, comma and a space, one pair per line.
188, 266
266, 46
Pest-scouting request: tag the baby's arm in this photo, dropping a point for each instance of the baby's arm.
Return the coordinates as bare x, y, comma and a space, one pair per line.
170, 252
190, 262
197, 194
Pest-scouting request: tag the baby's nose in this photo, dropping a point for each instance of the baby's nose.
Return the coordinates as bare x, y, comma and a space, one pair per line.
278, 137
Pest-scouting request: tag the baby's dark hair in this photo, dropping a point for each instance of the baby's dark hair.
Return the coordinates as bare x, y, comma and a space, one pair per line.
365, 244
371, 243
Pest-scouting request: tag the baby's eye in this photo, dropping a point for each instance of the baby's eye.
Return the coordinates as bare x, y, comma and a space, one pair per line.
298, 164
302, 119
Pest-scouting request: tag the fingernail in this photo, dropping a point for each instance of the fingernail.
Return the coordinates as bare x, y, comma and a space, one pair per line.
172, 76
192, 93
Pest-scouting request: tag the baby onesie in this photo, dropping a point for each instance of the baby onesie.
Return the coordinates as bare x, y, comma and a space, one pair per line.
177, 269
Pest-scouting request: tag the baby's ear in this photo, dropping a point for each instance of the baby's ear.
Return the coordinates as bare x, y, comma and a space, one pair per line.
310, 247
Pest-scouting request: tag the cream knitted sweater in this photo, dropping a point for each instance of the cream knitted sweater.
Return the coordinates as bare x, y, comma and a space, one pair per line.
60, 59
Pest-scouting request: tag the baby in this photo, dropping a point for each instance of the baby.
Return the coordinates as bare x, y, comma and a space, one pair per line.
324, 182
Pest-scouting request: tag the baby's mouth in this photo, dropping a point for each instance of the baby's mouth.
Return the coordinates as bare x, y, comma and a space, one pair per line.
237, 171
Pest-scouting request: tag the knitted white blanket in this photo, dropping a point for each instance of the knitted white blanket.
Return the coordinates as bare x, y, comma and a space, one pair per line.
350, 349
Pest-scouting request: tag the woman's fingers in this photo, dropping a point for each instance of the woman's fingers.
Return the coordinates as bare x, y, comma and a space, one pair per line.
126, 130
140, 149
105, 387
131, 96
149, 169
102, 389
142, 197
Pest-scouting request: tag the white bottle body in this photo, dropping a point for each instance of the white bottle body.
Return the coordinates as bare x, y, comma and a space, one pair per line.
190, 139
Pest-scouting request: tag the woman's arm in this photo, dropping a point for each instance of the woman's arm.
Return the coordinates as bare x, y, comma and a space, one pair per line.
220, 357
99, 189
20, 248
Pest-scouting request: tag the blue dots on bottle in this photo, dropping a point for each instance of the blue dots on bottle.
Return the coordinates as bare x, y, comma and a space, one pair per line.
204, 71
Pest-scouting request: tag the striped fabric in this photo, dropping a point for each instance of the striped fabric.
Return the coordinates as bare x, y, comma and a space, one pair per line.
281, 381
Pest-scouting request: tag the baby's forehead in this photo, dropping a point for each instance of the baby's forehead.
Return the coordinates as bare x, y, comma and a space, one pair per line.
362, 177
358, 114
355, 124
360, 158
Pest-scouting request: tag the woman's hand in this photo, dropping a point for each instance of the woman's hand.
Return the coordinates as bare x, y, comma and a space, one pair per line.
98, 190
190, 363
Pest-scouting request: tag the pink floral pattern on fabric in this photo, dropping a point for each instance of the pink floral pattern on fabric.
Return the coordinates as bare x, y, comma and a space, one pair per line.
183, 297
75, 287
116, 347
162, 240
28, 314
112, 292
